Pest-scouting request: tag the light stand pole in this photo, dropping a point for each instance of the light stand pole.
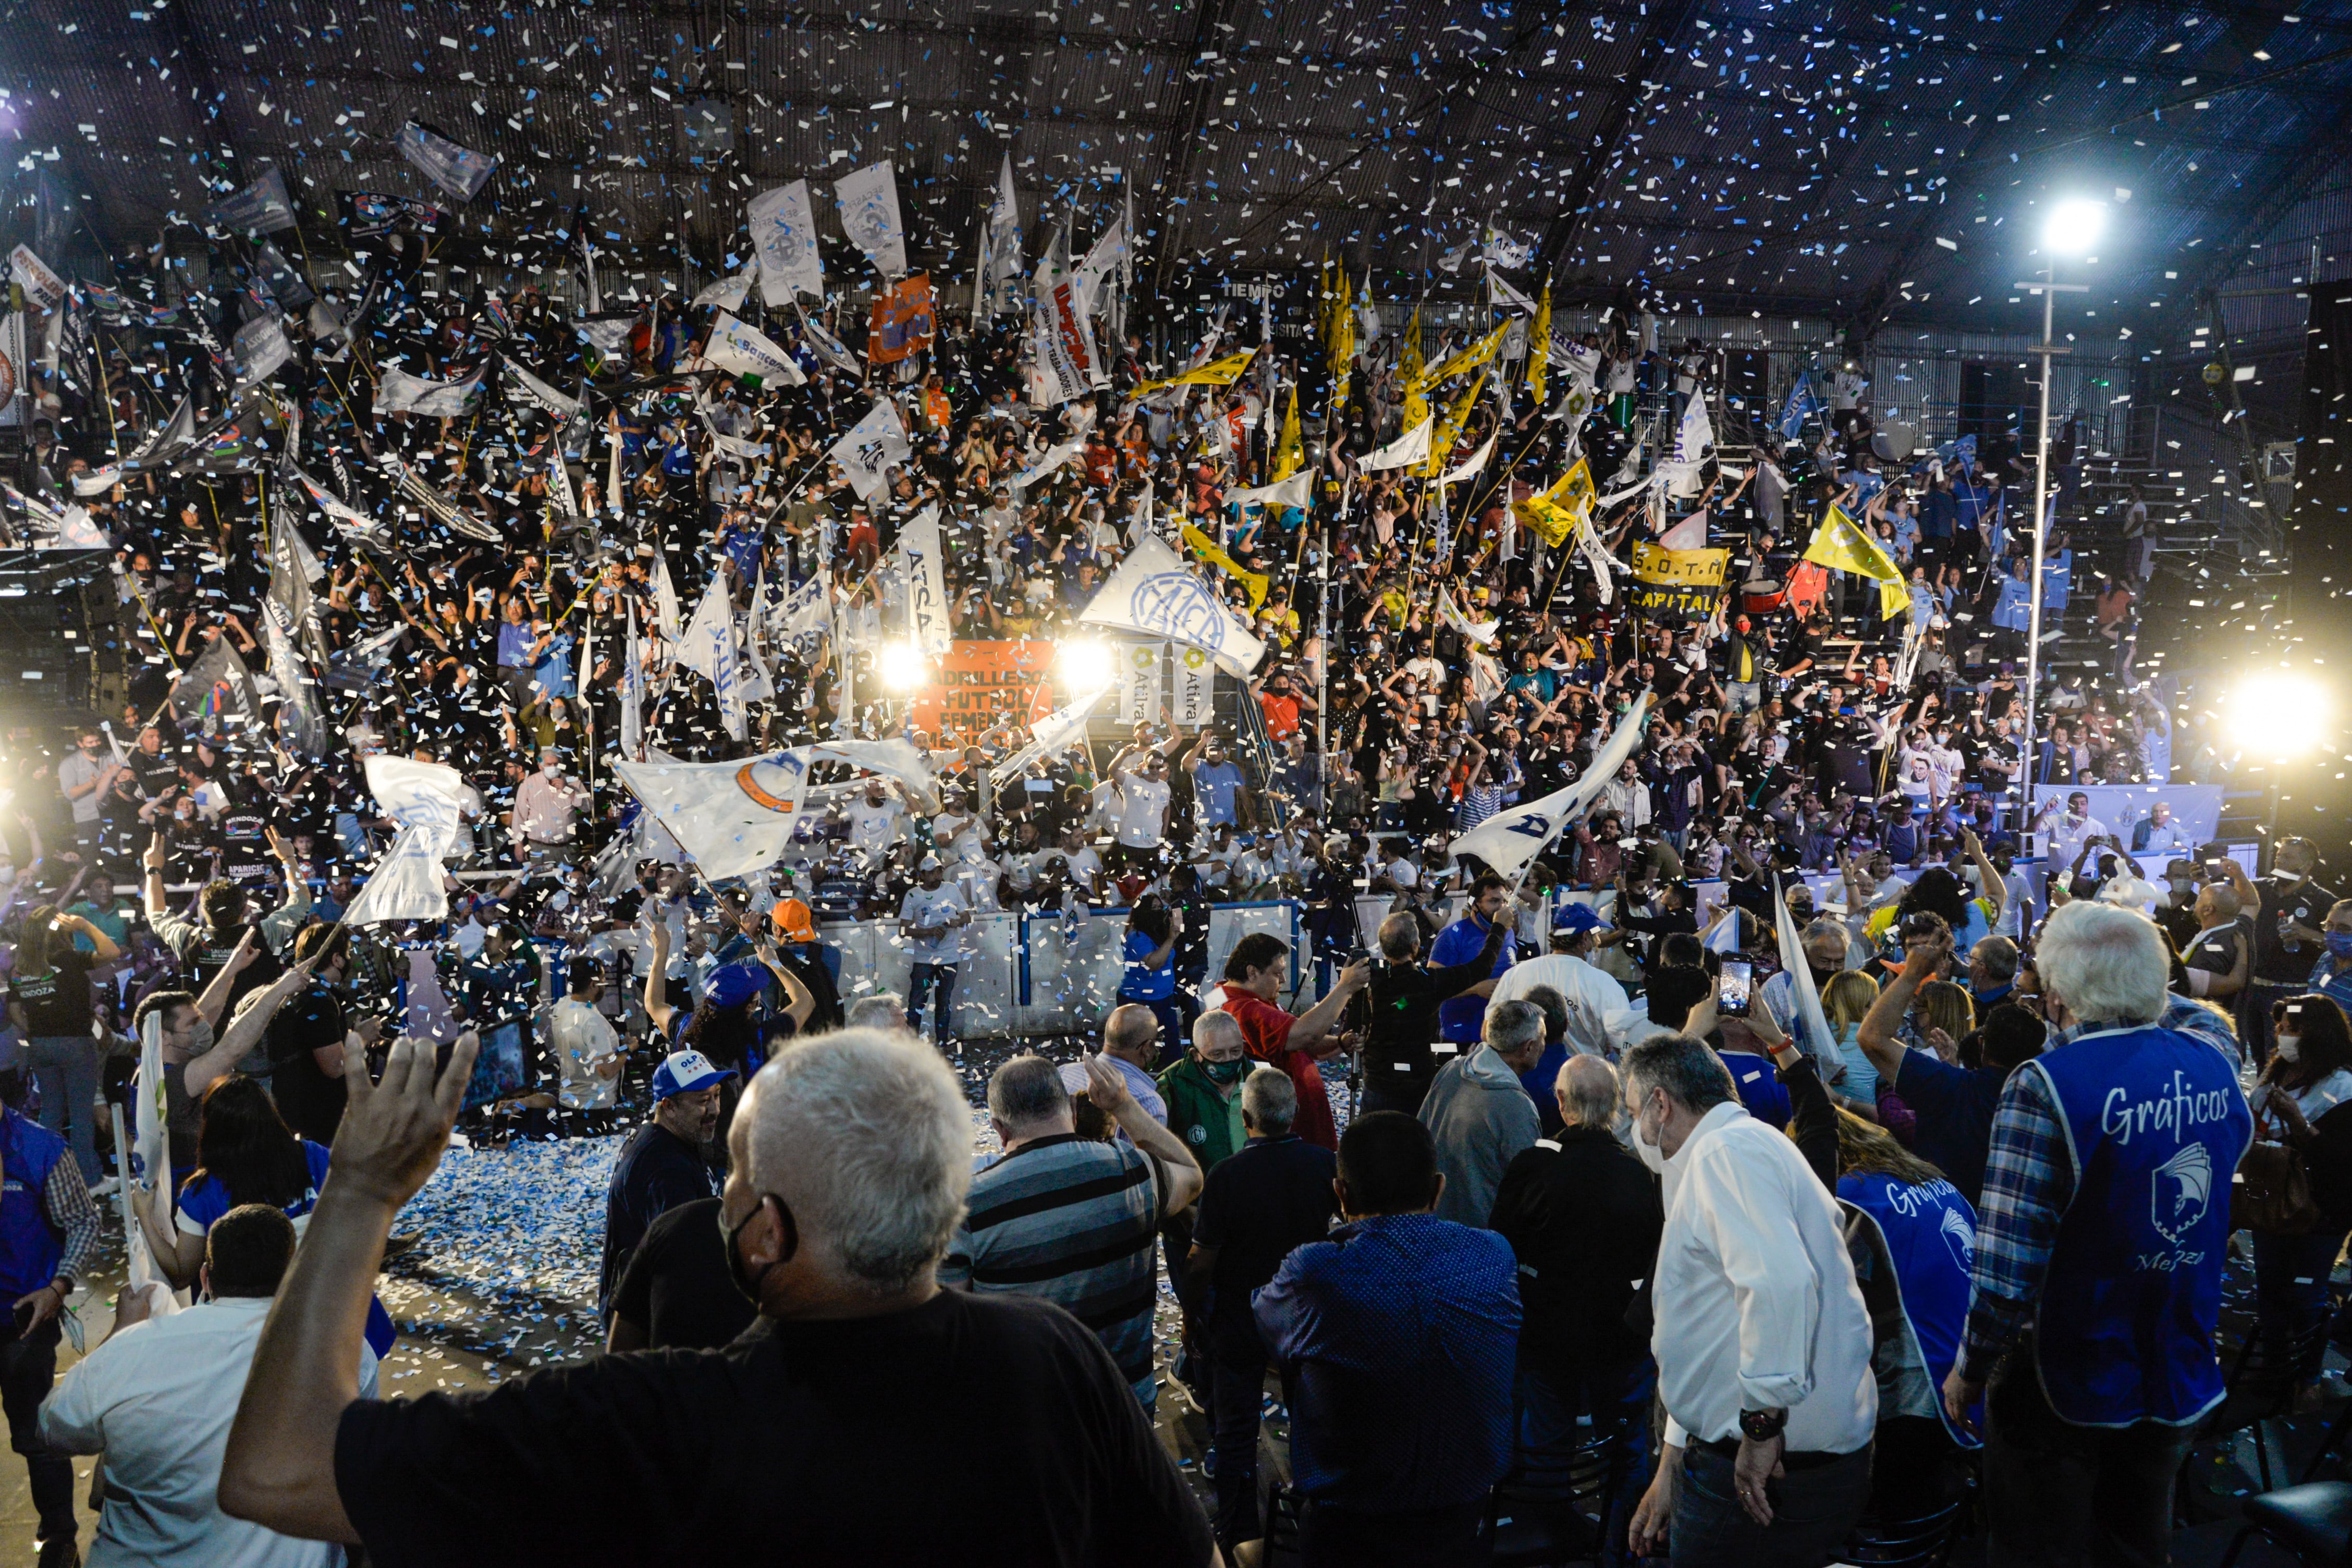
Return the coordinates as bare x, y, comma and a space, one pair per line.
2029, 757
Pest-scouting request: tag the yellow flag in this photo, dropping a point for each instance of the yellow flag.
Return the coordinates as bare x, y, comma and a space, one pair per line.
1539, 350
1216, 373
1290, 450
1342, 343
1476, 354
1441, 444
1843, 544
1206, 549
1553, 515
1409, 365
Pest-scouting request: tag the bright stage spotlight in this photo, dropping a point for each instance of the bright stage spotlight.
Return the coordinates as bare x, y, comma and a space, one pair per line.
1085, 664
2073, 228
903, 667
2278, 714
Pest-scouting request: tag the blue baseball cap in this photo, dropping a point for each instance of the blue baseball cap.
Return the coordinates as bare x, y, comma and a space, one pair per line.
735, 983
1574, 918
686, 1072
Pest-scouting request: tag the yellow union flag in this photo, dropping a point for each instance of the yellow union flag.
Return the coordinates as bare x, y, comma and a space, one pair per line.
1206, 549
1553, 515
1676, 581
1216, 373
1843, 544
1440, 445
1476, 354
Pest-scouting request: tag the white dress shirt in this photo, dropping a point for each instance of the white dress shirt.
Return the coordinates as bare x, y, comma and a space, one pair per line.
157, 1400
1756, 1304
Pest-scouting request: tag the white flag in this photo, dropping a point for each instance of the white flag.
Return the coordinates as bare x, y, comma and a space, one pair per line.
784, 235
746, 352
1154, 593
426, 795
730, 291
400, 393
1054, 458
632, 692
1194, 675
1291, 491
708, 642
459, 170
404, 885
1471, 465
1061, 337
926, 584
1138, 665
1110, 249
751, 668
875, 443
1508, 840
1408, 451
1810, 1026
666, 606
899, 758
41, 285
150, 1110
869, 216
732, 817
807, 614
524, 387
1000, 270
826, 346
1064, 727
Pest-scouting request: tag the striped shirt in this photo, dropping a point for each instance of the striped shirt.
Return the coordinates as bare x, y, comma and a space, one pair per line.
1072, 1221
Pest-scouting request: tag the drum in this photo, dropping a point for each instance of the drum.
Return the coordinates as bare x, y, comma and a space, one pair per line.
1763, 595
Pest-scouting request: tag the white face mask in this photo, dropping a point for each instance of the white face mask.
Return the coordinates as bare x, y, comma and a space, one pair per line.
2290, 1047
1648, 1152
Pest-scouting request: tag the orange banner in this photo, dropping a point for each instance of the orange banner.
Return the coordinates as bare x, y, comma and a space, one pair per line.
903, 320
983, 684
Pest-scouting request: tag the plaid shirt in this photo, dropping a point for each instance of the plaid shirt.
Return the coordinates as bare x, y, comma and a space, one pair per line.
2029, 1181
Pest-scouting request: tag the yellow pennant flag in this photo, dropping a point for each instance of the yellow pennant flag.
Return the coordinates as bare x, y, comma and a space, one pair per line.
1440, 445
1553, 515
1476, 354
1216, 373
1539, 350
1342, 342
1409, 371
1843, 544
1206, 549
1290, 450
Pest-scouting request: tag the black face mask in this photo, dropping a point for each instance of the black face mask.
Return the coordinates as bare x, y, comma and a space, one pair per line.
746, 1282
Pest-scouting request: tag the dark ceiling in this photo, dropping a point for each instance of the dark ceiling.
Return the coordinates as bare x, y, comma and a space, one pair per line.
1867, 163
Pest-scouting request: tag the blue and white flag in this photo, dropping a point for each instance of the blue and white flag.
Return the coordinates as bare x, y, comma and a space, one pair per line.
404, 885
869, 216
1801, 406
1154, 593
261, 206
460, 171
784, 237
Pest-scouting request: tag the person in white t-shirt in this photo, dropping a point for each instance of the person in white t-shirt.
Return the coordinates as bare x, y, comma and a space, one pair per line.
877, 821
587, 1049
1139, 809
1084, 865
931, 920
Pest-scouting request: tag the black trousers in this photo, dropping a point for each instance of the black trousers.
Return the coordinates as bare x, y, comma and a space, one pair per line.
2058, 1494
1422, 1538
28, 1369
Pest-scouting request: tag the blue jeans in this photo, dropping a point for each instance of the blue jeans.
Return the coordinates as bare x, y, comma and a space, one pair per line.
65, 1067
1617, 1398
1814, 1508
935, 981
2291, 1282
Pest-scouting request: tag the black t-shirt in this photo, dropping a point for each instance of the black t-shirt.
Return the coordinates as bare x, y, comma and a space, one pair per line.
56, 1003
311, 1102
811, 1442
2279, 959
656, 1171
676, 1285
1267, 1198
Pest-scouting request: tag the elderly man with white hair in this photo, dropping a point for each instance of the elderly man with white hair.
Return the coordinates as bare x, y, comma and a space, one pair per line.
1479, 1113
2097, 1287
850, 1155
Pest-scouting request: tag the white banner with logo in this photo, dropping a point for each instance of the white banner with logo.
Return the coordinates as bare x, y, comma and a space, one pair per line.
1140, 665
1195, 675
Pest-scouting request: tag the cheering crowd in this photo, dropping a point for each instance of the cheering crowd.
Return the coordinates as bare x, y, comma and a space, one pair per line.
1552, 1146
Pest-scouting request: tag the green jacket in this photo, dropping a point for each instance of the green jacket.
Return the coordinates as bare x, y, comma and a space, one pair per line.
1204, 1113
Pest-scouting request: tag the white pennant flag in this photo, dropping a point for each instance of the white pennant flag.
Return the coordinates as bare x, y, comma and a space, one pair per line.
400, 393
1063, 338
404, 885
869, 449
1470, 466
899, 758
750, 354
751, 668
666, 606
730, 292
1508, 840
1811, 1025
783, 236
927, 587
632, 692
1108, 250
732, 817
458, 170
1291, 491
1154, 593
869, 216
999, 276
524, 387
1407, 451
708, 642
1062, 728
807, 614
425, 795
1054, 458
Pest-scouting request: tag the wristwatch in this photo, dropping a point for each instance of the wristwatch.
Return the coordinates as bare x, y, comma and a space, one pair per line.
1762, 1426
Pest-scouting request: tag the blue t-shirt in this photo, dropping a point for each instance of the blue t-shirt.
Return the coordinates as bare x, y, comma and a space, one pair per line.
1216, 784
1143, 982
1761, 1089
514, 645
202, 1204
1955, 1106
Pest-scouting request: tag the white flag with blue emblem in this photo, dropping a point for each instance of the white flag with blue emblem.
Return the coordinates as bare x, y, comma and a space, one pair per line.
404, 885
458, 170
1508, 840
1153, 593
869, 216
783, 236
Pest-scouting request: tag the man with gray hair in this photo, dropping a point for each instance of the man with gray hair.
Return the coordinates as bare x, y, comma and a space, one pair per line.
1479, 1114
1582, 1217
1072, 1220
2097, 1285
1763, 1342
883, 1010
1273, 1195
851, 1152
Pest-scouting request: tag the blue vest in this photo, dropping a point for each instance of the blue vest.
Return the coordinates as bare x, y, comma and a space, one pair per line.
29, 1249
2155, 1124
1931, 1237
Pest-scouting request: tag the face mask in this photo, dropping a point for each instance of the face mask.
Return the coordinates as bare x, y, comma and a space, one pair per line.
2290, 1047
2288, 876
2339, 943
2181, 884
200, 1037
1225, 1073
1649, 1152
745, 1280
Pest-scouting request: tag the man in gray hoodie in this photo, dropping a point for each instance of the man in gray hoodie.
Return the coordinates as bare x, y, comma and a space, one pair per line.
1480, 1116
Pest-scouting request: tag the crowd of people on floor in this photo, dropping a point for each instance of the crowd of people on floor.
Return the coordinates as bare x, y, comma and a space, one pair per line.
1547, 1151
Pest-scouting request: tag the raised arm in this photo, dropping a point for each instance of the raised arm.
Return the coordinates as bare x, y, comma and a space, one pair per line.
657, 1009
1314, 1024
246, 1029
1920, 962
